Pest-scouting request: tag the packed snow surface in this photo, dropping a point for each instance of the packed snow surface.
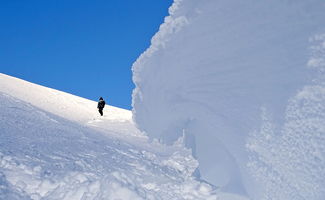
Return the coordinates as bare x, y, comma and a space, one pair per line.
54, 145
244, 82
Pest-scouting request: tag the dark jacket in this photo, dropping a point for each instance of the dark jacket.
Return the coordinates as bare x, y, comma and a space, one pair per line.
101, 104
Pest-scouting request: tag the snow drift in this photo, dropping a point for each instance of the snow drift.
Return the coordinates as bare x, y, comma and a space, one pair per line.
233, 77
54, 145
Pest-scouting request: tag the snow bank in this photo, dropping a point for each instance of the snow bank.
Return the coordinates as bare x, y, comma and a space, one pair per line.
211, 72
43, 156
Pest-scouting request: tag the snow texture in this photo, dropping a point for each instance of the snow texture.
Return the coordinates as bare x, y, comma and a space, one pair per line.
295, 158
238, 80
48, 153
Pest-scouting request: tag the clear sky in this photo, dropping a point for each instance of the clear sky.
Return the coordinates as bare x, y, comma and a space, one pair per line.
81, 47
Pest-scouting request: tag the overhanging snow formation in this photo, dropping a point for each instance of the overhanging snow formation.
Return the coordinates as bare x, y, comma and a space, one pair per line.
213, 69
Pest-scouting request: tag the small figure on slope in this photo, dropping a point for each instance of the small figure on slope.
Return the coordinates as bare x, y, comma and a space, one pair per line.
101, 105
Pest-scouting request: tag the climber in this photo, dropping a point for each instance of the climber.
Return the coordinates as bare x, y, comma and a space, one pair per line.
101, 105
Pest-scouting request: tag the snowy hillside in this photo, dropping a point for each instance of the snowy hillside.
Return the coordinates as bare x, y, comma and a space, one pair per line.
59, 103
244, 80
53, 145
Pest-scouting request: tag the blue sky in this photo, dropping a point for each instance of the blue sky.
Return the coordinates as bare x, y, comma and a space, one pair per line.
82, 47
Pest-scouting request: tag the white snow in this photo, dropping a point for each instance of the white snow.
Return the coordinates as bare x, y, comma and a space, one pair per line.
59, 103
229, 104
54, 145
244, 81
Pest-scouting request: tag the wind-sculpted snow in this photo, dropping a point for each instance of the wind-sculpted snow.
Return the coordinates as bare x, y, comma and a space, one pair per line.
294, 158
211, 69
43, 156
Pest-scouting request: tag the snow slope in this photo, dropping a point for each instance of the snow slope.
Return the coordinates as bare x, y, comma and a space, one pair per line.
235, 77
59, 103
53, 145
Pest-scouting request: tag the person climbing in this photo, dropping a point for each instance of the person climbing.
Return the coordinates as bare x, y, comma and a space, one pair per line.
101, 105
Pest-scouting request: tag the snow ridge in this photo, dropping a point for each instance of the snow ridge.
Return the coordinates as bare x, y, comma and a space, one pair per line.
211, 75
